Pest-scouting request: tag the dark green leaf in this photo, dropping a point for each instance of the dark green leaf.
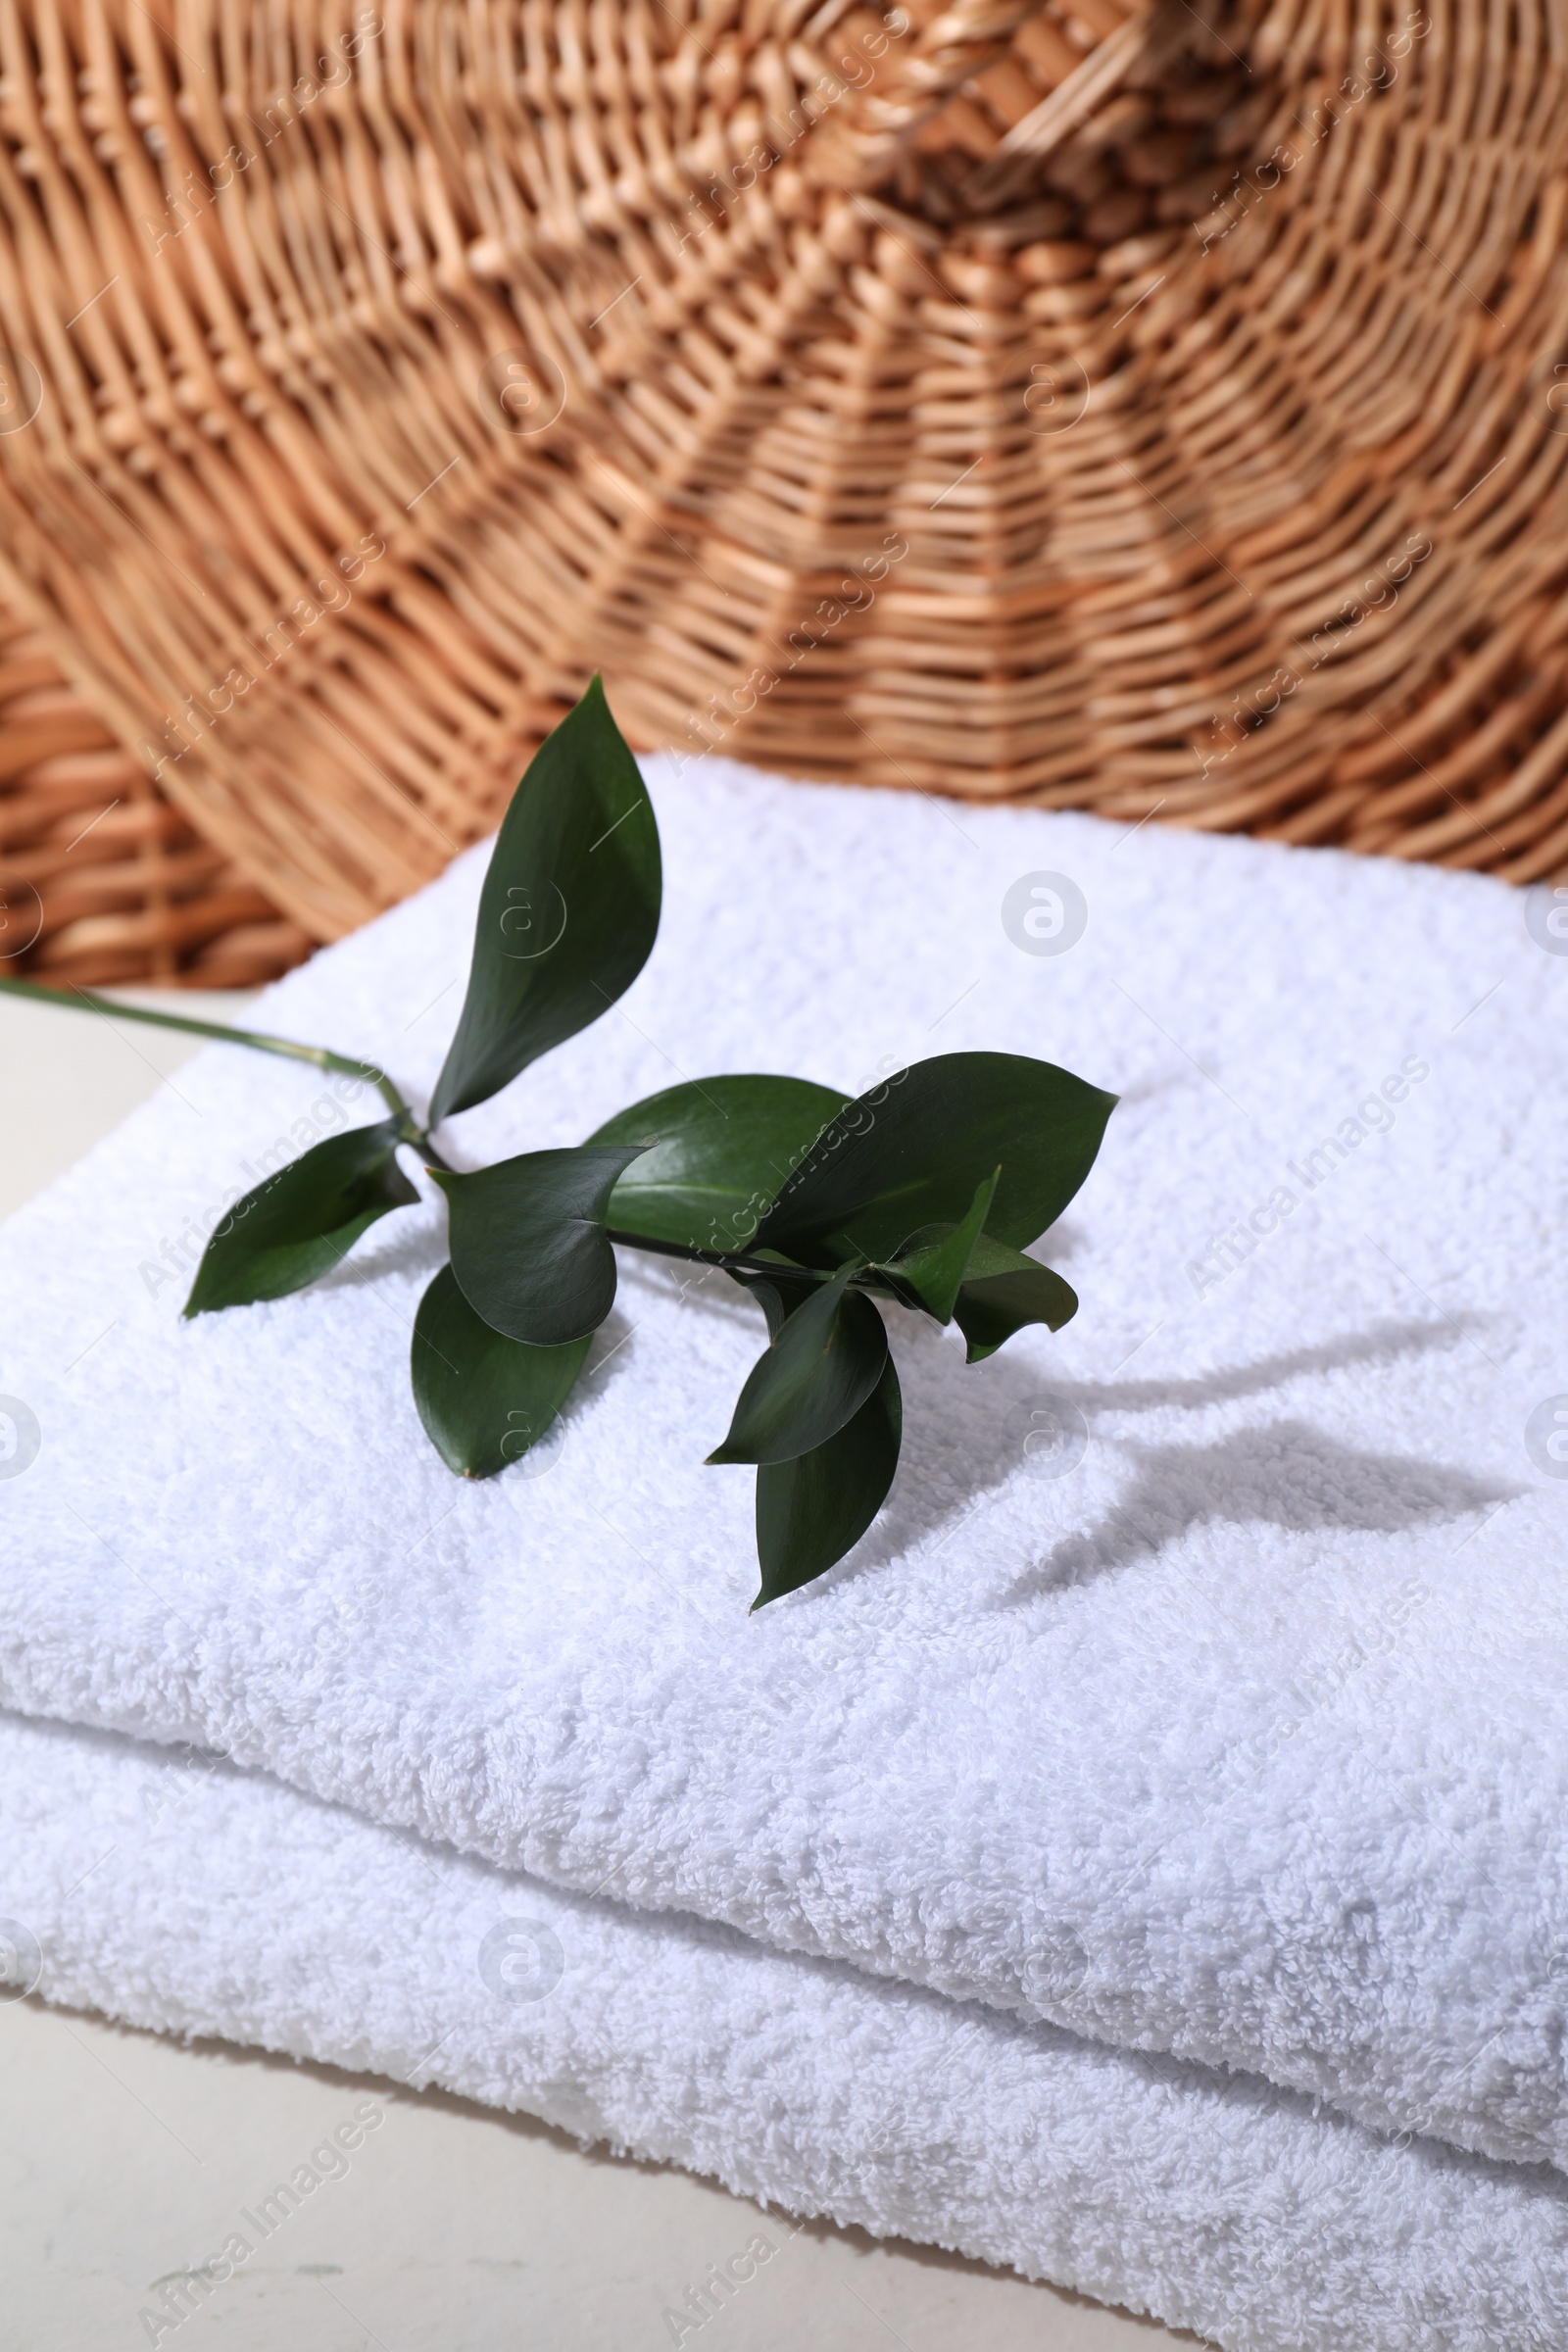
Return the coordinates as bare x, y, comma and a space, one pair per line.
777, 1295
935, 1263
568, 910
810, 1511
722, 1149
910, 1153
528, 1243
1003, 1291
485, 1400
293, 1228
815, 1376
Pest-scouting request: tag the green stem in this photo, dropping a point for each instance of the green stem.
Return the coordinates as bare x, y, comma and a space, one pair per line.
320, 1058
712, 1257
737, 1261
419, 1137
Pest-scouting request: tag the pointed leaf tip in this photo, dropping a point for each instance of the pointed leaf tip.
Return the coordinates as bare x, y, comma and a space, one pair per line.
568, 910
485, 1400
292, 1228
1002, 1291
934, 1262
813, 1377
814, 1510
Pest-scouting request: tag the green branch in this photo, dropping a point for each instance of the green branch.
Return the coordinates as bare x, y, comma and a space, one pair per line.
320, 1058
729, 1259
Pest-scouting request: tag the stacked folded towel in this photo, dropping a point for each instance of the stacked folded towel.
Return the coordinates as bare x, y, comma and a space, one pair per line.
1213, 2199
1225, 1729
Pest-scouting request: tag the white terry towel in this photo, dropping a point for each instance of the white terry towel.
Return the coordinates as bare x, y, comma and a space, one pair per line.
1244, 1739
1211, 2200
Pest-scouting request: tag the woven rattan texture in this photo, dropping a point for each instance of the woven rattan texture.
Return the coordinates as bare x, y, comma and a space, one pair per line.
100, 879
1159, 412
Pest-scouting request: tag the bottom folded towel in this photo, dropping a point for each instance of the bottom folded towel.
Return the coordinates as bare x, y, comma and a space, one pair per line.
170, 1891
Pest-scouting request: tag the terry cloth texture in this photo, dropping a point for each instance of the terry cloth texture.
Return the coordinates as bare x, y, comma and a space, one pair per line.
1211, 2200
1245, 1738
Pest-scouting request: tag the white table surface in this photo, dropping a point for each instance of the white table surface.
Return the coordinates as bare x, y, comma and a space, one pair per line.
124, 2156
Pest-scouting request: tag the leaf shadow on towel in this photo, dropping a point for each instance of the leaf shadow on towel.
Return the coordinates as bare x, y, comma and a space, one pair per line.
1286, 1473
413, 1249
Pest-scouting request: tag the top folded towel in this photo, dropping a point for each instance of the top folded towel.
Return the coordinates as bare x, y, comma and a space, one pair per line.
1201, 1687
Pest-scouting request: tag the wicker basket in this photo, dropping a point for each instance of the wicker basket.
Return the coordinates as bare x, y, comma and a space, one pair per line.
1157, 412
100, 879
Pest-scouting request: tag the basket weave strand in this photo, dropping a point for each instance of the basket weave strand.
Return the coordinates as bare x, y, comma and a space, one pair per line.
1161, 410
100, 879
